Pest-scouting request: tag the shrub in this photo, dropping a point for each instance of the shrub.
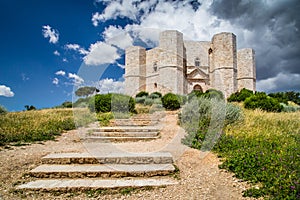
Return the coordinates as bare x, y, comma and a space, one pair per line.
140, 100
194, 93
154, 96
212, 93
262, 101
122, 103
2, 110
240, 96
100, 103
182, 99
289, 108
204, 118
156, 93
142, 94
82, 102
170, 101
148, 102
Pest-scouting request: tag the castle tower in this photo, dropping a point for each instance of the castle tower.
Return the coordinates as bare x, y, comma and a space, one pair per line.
171, 69
246, 76
223, 63
135, 70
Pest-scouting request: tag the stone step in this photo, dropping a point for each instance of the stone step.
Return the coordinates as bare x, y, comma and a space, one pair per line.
124, 134
124, 129
109, 158
106, 170
117, 139
88, 184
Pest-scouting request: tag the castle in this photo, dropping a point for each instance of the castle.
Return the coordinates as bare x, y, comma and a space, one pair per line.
181, 66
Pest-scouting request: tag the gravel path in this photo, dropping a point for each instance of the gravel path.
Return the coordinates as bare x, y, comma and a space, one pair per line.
199, 178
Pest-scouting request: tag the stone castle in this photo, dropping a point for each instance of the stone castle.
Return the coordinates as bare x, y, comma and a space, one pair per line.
181, 66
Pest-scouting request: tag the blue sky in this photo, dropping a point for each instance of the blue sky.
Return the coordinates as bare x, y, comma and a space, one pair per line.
48, 47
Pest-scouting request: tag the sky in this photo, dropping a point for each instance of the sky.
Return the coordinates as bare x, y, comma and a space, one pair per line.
49, 48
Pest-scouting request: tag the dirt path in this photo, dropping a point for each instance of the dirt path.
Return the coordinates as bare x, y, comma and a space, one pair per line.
200, 177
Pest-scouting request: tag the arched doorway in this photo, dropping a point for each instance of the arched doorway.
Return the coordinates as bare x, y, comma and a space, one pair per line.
197, 87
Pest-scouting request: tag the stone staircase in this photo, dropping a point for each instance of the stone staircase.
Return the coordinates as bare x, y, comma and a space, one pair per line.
108, 168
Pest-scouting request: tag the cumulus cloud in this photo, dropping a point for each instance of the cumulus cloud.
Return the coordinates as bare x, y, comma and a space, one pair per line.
116, 35
76, 47
76, 80
50, 33
109, 85
270, 27
101, 53
6, 91
56, 53
61, 73
55, 81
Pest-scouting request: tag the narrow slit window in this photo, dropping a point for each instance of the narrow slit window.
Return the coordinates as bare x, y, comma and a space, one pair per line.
155, 67
197, 62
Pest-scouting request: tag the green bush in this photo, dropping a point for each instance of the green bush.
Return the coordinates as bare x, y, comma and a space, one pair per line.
140, 100
170, 101
240, 96
212, 93
82, 102
182, 99
262, 101
288, 108
153, 96
122, 103
100, 103
2, 110
142, 94
204, 119
148, 102
157, 94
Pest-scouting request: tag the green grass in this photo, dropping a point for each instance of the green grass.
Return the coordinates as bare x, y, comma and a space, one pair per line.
31, 126
265, 151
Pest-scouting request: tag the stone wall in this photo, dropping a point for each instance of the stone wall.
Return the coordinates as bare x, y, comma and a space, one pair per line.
135, 70
223, 68
246, 69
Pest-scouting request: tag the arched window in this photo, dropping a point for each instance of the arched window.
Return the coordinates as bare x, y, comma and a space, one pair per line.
197, 62
210, 51
155, 66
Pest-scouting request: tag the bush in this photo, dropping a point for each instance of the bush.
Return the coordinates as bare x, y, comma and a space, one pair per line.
194, 93
289, 108
140, 100
148, 102
212, 93
142, 94
204, 118
240, 96
170, 101
82, 102
182, 99
157, 94
100, 103
122, 103
2, 110
261, 101
153, 96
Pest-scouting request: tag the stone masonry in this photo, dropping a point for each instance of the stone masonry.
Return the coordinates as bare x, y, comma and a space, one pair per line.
181, 66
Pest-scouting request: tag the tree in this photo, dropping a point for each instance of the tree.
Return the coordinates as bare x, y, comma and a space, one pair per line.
86, 91
29, 107
2, 110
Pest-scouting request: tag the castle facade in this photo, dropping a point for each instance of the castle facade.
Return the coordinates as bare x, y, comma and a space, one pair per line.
181, 66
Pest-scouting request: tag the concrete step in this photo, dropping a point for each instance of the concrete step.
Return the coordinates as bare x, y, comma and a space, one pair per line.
110, 158
117, 139
134, 122
88, 184
124, 134
106, 170
124, 129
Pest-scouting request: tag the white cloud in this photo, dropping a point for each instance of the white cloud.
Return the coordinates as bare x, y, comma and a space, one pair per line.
110, 86
77, 80
101, 53
65, 60
61, 73
55, 81
24, 77
6, 91
56, 53
117, 36
76, 47
50, 33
